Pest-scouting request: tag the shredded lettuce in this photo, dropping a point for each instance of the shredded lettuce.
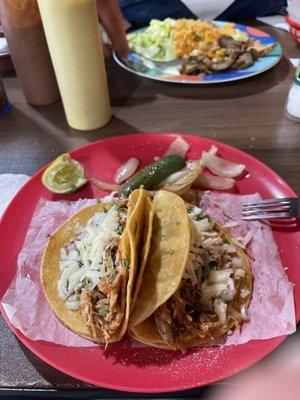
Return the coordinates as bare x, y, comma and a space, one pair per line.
154, 42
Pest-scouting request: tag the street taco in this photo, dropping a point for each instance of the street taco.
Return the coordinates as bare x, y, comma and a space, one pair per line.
90, 264
192, 295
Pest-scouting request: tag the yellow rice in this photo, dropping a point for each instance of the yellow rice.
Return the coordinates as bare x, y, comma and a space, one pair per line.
188, 34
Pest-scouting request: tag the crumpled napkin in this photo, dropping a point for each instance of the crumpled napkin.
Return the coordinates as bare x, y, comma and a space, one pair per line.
9, 185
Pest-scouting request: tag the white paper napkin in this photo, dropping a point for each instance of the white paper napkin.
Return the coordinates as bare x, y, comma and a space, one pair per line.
9, 185
278, 21
4, 50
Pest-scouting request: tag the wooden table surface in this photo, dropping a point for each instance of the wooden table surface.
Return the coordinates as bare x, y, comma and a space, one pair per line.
249, 115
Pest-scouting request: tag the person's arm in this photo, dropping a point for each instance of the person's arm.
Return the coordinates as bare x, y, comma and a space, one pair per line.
112, 21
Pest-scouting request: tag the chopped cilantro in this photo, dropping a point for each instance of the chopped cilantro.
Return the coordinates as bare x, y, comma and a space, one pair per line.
111, 268
103, 310
190, 208
213, 264
125, 263
200, 216
85, 281
98, 201
67, 284
80, 264
119, 230
112, 272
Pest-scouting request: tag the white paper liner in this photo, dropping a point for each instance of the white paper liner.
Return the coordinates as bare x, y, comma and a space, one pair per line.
271, 310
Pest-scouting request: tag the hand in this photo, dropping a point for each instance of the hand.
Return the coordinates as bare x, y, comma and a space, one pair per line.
112, 21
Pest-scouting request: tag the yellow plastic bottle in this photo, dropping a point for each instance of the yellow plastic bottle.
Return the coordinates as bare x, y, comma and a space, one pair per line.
72, 33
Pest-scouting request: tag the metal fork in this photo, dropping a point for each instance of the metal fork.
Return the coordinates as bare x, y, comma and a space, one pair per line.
286, 207
142, 64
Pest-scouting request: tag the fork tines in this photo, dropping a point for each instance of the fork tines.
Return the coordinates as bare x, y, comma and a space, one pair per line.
270, 209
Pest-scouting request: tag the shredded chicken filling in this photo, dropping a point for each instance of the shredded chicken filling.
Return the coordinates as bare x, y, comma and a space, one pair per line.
103, 308
93, 273
204, 299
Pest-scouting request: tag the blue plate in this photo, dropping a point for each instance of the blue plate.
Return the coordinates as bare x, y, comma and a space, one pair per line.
169, 71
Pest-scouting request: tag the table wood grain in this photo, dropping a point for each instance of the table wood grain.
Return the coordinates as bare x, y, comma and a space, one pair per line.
249, 115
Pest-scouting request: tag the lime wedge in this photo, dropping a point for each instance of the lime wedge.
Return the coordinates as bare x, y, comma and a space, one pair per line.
64, 175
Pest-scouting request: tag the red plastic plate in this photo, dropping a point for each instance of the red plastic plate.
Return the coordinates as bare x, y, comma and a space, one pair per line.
144, 369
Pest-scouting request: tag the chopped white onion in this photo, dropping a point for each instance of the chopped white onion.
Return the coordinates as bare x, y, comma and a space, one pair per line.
245, 293
229, 248
190, 270
63, 292
63, 254
202, 225
220, 309
62, 284
229, 293
221, 167
220, 276
73, 305
209, 234
244, 313
126, 170
237, 262
73, 302
75, 278
215, 290
82, 266
94, 277
239, 273
211, 242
